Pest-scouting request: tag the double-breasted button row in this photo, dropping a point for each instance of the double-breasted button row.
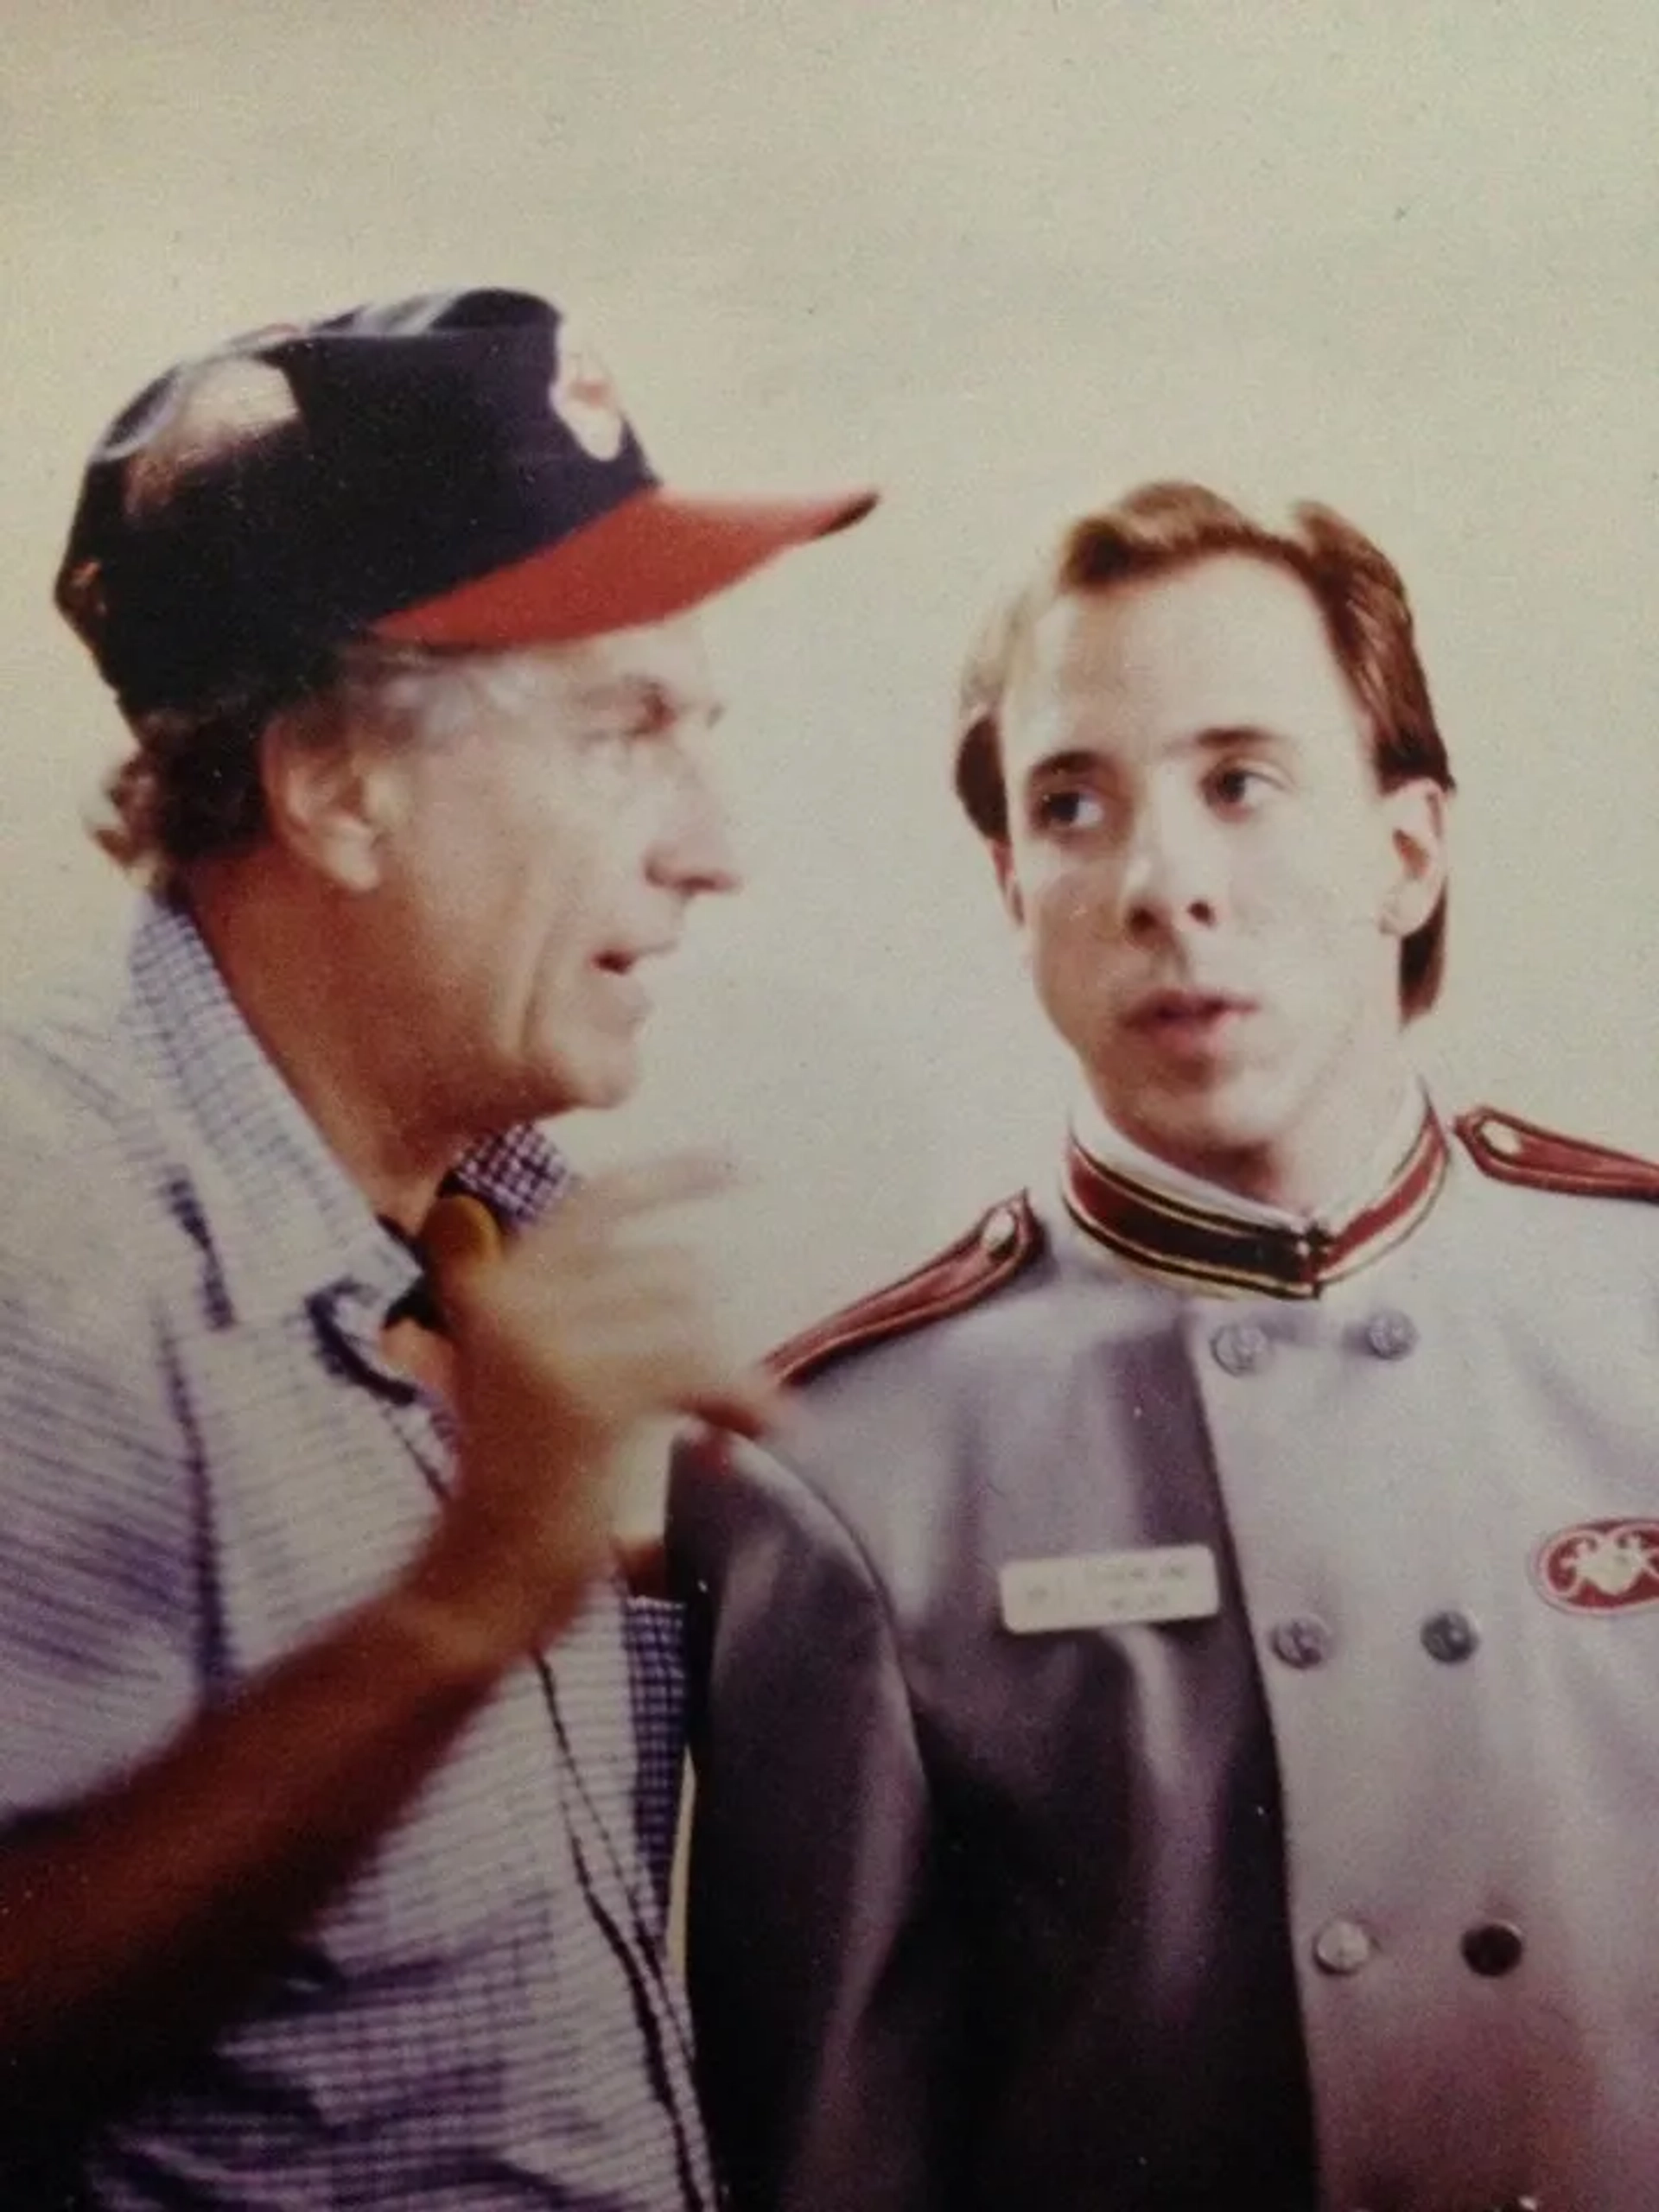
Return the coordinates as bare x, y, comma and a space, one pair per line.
1493, 1948
1240, 1348
1391, 1334
1244, 1348
1344, 1945
1490, 1949
1449, 1636
1304, 1640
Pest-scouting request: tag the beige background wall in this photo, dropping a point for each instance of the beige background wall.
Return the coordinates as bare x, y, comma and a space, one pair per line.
1001, 256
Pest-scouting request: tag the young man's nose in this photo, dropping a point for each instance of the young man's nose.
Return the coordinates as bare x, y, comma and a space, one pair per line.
1170, 870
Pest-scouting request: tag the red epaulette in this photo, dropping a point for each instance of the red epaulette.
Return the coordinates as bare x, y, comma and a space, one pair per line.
995, 1250
1513, 1151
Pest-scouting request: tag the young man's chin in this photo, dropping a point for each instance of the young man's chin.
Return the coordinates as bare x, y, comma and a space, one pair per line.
1207, 1132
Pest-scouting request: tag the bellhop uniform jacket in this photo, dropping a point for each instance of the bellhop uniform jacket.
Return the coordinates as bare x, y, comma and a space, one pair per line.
1345, 1893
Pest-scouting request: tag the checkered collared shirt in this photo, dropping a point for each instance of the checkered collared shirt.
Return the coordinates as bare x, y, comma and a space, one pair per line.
203, 1461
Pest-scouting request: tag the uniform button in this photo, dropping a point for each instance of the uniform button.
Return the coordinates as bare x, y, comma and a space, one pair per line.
1343, 1947
1391, 1334
1494, 1947
1303, 1641
1449, 1636
1240, 1347
1000, 1234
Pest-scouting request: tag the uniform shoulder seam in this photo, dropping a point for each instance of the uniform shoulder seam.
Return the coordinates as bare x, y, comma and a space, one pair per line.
1000, 1245
1513, 1150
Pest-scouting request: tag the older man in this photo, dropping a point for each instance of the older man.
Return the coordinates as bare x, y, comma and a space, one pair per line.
1177, 1725
334, 1755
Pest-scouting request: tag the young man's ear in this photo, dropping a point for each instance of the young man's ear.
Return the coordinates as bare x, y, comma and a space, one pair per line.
1418, 820
1008, 880
328, 802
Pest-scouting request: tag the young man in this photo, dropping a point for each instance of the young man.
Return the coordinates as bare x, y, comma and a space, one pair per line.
1174, 1719
334, 1754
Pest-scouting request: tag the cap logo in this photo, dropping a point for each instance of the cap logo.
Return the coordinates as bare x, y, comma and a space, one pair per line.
584, 398
225, 404
1600, 1567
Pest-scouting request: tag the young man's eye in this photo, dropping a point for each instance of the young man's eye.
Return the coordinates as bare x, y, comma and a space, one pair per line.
1063, 809
1237, 784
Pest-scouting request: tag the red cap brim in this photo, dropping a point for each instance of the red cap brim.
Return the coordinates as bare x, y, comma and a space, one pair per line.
656, 555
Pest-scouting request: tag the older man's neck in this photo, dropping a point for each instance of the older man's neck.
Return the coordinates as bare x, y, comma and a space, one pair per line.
289, 961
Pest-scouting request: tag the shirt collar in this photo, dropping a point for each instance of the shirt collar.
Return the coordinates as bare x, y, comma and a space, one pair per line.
1181, 1227
280, 1216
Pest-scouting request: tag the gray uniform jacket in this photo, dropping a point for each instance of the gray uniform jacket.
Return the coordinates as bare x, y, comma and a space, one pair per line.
1342, 1894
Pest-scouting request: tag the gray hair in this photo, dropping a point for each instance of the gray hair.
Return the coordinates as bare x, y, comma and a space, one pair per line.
191, 790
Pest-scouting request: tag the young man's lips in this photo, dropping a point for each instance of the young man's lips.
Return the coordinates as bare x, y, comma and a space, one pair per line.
1186, 1022
1186, 1009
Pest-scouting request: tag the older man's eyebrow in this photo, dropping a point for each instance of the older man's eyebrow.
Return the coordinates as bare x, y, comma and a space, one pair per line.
647, 704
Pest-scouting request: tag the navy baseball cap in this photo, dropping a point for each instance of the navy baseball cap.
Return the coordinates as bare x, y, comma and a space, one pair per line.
454, 470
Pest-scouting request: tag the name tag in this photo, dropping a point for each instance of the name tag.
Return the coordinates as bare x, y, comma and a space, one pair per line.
1169, 1582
